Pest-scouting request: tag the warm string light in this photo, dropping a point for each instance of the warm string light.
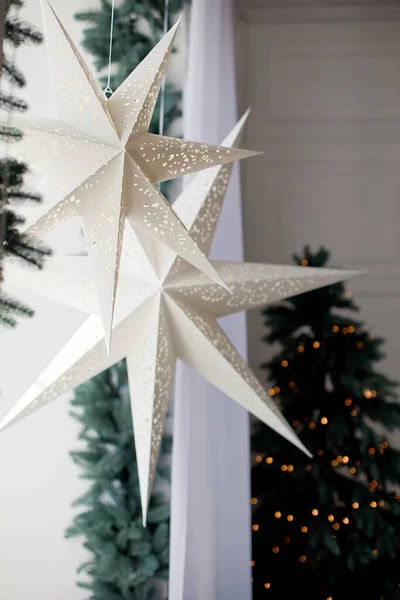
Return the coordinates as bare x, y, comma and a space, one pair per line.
255, 527
340, 460
269, 460
253, 501
284, 363
289, 468
316, 345
304, 262
274, 390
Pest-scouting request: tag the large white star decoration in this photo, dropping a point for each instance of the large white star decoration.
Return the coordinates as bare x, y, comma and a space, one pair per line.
100, 163
165, 310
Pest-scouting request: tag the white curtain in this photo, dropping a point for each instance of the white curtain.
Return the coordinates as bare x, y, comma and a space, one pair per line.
210, 528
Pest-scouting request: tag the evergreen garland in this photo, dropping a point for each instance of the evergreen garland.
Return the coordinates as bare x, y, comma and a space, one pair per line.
327, 527
12, 241
127, 560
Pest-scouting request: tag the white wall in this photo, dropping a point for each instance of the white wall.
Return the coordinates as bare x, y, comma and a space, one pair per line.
322, 78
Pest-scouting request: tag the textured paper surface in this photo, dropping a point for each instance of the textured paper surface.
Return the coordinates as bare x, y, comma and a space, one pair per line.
165, 309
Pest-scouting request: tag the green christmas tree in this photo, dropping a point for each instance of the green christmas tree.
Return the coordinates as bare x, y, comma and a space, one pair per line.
12, 241
128, 561
326, 528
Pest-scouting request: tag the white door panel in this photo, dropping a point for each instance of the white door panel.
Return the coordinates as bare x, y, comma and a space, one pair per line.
326, 114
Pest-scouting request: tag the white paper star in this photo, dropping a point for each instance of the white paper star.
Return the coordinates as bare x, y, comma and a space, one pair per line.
166, 310
101, 164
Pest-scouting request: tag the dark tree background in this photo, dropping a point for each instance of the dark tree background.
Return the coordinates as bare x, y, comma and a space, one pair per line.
326, 528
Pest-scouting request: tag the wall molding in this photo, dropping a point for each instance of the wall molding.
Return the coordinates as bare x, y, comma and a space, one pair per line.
317, 11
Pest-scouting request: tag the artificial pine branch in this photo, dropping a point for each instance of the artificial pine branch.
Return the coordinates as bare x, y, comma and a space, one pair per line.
9, 308
9, 134
10, 103
17, 33
13, 243
11, 73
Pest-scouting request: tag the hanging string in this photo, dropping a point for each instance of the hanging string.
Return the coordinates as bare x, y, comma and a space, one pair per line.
108, 91
162, 96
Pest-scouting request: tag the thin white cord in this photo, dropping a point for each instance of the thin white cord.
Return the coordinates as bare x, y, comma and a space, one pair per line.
108, 89
162, 97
